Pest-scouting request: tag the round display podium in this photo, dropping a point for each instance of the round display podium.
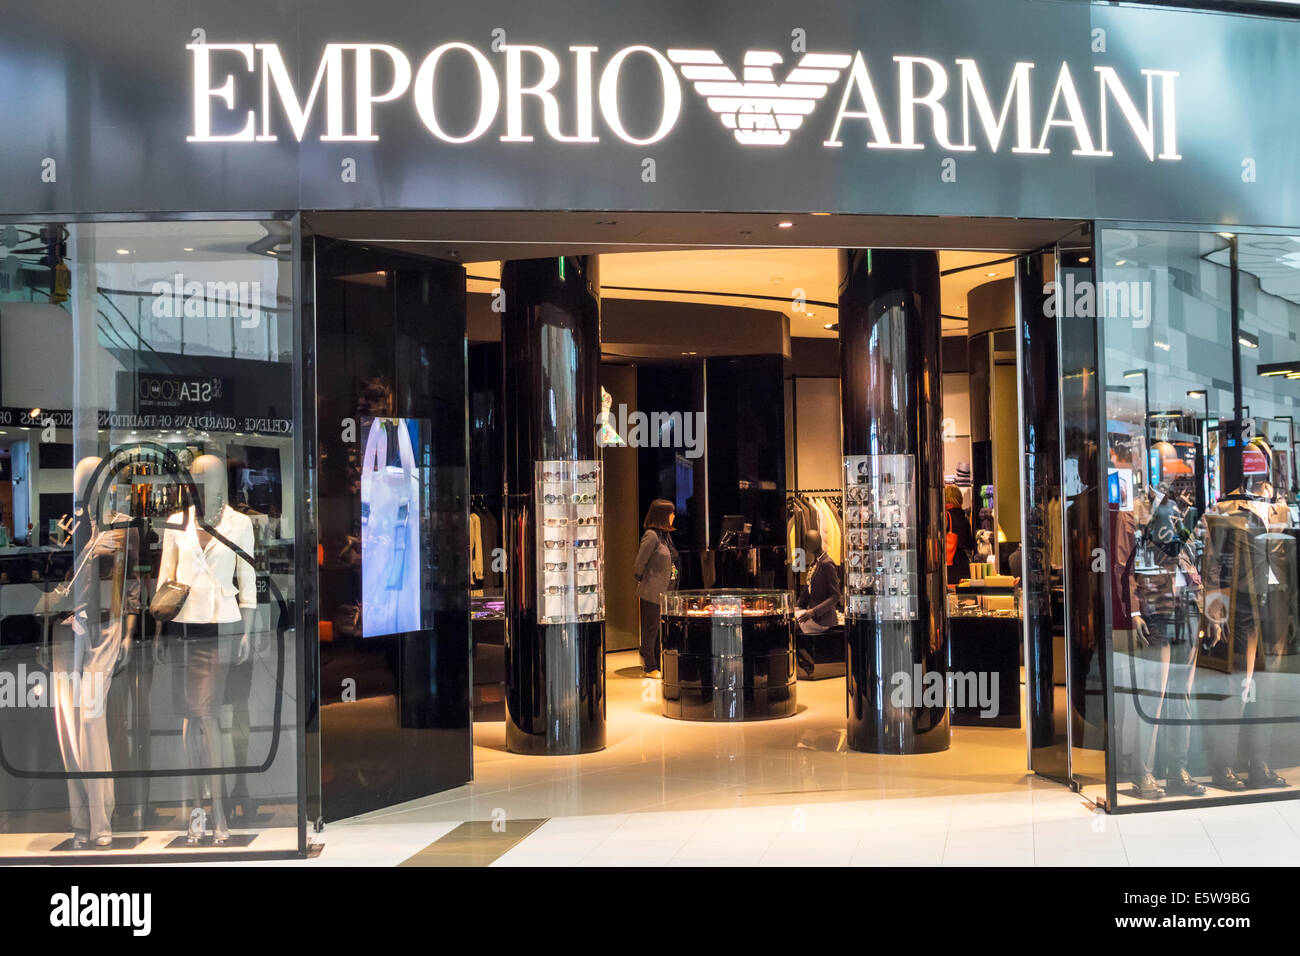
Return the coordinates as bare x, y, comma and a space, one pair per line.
728, 655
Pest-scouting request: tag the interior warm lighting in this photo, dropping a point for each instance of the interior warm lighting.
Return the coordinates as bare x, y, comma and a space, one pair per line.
831, 325
1228, 235
1085, 259
1196, 393
990, 274
187, 248
821, 214
123, 252
784, 224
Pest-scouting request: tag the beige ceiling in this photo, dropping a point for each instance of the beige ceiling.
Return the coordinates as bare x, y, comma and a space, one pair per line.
796, 281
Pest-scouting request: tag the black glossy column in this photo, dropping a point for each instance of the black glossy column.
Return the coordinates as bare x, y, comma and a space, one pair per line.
550, 336
890, 377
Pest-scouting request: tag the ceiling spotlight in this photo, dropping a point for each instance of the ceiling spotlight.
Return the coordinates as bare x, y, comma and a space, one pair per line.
187, 248
1247, 340
1120, 262
123, 252
1228, 235
784, 224
831, 326
990, 274
1084, 259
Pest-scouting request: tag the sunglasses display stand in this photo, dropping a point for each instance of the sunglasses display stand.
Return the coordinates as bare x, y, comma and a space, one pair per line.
570, 542
880, 554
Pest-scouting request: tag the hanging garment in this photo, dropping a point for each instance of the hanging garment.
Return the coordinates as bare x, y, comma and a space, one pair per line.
475, 548
390, 540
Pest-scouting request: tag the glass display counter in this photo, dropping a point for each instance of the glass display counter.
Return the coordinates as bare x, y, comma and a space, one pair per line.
728, 655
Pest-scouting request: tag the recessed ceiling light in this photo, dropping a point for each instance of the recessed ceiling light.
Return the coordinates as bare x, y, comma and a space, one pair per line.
187, 248
1084, 259
124, 252
688, 353
810, 314
1228, 235
1120, 262
784, 224
990, 274
830, 325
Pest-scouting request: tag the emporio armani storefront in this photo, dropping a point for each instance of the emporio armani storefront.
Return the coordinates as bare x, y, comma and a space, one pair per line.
392, 393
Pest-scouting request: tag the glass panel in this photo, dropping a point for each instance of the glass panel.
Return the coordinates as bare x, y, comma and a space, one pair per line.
1082, 527
1042, 564
147, 556
1202, 511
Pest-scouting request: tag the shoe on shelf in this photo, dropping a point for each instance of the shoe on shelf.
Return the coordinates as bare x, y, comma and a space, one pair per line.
1261, 777
1184, 783
1225, 779
80, 841
654, 674
1147, 788
104, 843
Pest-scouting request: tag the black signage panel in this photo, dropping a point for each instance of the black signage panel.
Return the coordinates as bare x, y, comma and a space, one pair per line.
1030, 108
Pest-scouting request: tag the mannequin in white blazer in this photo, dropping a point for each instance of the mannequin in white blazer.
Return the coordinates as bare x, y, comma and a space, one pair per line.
223, 592
223, 586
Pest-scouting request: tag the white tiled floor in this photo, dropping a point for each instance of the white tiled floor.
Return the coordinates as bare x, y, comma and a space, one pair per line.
789, 793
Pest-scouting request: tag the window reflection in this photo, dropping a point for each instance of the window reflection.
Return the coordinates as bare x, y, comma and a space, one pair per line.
1202, 511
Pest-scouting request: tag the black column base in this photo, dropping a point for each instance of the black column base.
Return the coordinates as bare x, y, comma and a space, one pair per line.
888, 709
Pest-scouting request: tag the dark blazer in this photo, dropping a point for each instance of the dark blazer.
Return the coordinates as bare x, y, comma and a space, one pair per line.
959, 525
823, 591
653, 568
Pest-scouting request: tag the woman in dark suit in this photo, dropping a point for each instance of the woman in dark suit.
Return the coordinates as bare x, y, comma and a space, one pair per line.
656, 571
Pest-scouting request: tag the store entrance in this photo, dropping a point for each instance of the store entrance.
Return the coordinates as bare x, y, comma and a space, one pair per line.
672, 531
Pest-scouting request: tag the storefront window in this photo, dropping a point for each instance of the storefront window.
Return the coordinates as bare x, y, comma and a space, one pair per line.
147, 558
1202, 372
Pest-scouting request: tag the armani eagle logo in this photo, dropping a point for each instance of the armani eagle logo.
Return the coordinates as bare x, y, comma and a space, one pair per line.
759, 110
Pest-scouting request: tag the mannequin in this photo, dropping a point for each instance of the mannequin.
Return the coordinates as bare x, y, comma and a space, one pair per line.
1250, 572
91, 642
222, 593
818, 600
1163, 588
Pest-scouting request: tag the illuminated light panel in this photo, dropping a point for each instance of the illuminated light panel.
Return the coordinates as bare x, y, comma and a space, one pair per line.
759, 110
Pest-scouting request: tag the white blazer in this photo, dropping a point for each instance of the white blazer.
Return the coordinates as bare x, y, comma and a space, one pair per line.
220, 581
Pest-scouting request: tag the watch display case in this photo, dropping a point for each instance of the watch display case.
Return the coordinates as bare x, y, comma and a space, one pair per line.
728, 655
570, 542
880, 546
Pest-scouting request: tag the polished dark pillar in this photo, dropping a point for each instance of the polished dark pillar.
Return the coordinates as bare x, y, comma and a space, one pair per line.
890, 378
550, 336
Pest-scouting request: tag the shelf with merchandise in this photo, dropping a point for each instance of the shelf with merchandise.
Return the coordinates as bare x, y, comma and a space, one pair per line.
570, 546
880, 548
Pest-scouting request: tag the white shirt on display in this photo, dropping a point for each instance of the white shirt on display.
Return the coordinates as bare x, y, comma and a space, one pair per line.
220, 582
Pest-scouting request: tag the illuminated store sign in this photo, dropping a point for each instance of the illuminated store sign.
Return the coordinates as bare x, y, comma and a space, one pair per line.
244, 92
